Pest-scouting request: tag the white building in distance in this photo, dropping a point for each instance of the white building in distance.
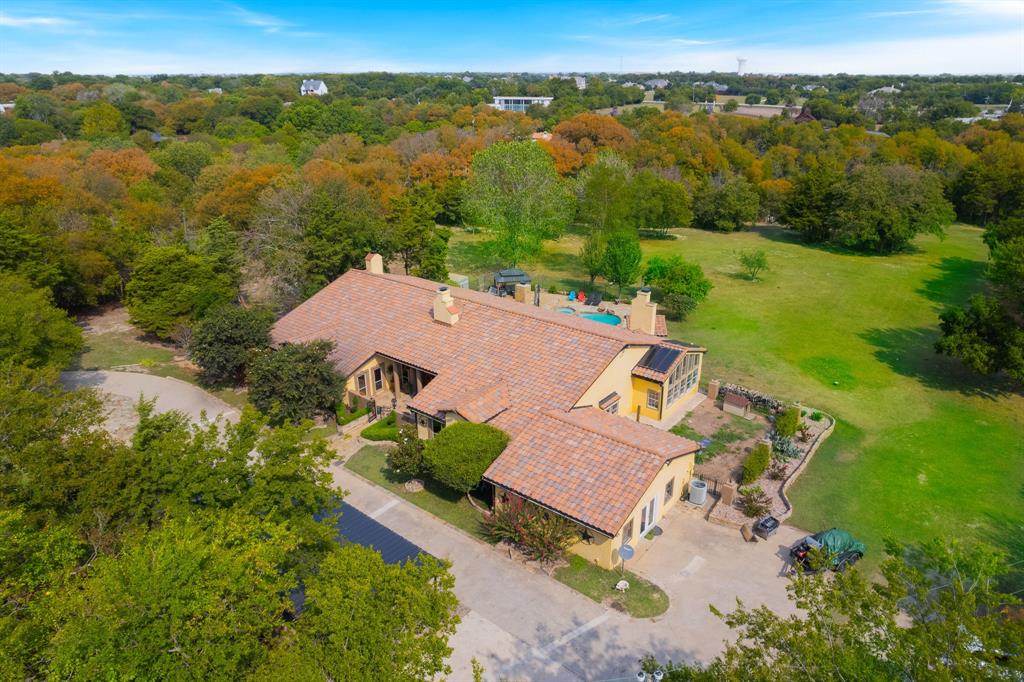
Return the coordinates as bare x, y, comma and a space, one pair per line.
519, 102
313, 87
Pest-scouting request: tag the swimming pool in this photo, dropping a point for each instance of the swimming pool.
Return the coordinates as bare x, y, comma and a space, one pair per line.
603, 318
567, 310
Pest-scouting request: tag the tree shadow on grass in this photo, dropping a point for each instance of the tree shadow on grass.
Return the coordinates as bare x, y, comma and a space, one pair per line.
956, 280
911, 353
786, 236
1007, 533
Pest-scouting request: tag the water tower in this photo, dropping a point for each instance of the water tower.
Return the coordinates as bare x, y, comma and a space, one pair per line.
741, 65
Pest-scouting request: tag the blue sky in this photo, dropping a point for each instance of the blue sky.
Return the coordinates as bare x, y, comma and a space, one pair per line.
776, 36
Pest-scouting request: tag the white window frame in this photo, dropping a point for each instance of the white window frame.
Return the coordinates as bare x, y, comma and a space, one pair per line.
655, 395
378, 378
361, 383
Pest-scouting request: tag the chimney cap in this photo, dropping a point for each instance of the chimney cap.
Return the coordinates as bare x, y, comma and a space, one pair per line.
645, 290
442, 288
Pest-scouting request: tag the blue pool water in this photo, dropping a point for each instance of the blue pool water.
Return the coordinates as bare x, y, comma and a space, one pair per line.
603, 318
569, 311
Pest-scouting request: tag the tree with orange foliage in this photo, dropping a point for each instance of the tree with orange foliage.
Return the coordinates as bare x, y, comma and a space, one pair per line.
567, 159
127, 165
236, 198
593, 132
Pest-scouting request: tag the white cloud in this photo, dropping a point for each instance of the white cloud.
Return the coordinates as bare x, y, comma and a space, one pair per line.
634, 21
991, 8
267, 22
30, 22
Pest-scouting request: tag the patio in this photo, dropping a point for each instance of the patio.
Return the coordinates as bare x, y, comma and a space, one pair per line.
700, 564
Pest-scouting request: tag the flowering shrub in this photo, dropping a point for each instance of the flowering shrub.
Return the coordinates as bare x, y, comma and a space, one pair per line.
754, 501
539, 534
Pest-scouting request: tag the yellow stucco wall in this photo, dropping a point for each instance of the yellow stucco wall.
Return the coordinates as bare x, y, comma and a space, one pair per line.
616, 378
679, 469
639, 391
351, 383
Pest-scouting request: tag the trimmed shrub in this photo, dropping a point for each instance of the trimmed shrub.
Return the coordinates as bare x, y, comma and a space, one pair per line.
816, 416
459, 455
787, 423
344, 415
756, 462
383, 429
784, 447
754, 501
407, 456
539, 534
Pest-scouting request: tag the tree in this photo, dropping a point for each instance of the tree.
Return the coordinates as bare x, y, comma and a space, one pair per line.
884, 207
681, 282
187, 158
32, 331
367, 619
163, 603
459, 455
755, 463
605, 193
937, 616
407, 456
221, 342
788, 422
659, 203
752, 99
753, 262
727, 207
421, 243
103, 120
731, 105
984, 336
172, 287
622, 258
812, 205
294, 382
592, 254
516, 195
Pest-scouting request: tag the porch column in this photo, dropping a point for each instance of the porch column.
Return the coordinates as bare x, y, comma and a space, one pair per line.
419, 381
395, 379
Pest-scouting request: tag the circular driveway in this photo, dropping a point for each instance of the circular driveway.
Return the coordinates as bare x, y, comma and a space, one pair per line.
123, 390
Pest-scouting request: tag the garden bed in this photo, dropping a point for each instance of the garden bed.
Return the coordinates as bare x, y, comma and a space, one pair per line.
731, 438
779, 505
643, 599
371, 463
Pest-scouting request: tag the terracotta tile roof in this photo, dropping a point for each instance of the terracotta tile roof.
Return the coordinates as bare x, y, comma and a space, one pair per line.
660, 326
505, 362
736, 399
586, 464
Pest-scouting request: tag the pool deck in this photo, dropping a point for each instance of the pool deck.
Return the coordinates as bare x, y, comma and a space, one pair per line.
561, 301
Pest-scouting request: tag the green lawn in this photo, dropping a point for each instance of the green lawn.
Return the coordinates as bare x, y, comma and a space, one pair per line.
923, 447
641, 600
453, 507
117, 349
114, 349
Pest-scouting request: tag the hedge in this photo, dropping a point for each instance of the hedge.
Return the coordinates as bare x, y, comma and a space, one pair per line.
345, 416
756, 462
788, 422
459, 455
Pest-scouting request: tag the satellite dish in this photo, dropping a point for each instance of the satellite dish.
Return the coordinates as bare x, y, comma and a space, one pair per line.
626, 552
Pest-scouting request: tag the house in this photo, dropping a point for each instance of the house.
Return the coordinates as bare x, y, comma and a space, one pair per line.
215, 91
313, 87
581, 82
6, 106
519, 102
714, 85
805, 116
581, 400
656, 83
887, 90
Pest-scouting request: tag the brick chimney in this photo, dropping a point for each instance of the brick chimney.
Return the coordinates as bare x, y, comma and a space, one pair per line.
374, 264
642, 312
445, 310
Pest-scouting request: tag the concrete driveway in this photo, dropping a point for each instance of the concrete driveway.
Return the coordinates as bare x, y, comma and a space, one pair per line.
700, 564
523, 625
123, 389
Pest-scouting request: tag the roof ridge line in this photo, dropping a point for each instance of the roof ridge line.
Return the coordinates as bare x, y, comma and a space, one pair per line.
558, 414
389, 276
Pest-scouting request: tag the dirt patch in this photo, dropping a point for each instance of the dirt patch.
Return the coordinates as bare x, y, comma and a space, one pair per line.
107, 319
731, 437
846, 456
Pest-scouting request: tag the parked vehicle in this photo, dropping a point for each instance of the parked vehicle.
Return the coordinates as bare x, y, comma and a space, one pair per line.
834, 548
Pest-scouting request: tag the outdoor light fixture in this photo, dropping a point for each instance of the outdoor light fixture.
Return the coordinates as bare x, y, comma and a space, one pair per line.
641, 676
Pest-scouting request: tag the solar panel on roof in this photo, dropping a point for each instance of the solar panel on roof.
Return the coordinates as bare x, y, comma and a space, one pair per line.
659, 358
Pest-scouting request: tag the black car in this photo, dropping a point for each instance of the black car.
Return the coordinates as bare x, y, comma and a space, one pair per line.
833, 548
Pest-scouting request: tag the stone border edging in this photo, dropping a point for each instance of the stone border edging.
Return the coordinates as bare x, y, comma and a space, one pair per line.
807, 458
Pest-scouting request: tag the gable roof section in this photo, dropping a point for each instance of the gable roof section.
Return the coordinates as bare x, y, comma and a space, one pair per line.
586, 464
545, 358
